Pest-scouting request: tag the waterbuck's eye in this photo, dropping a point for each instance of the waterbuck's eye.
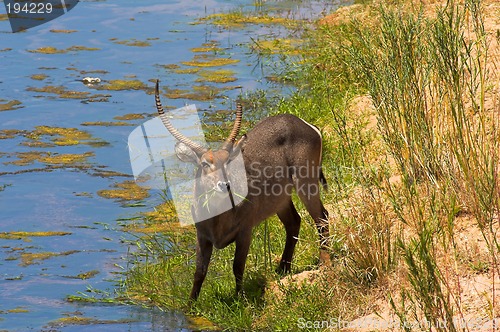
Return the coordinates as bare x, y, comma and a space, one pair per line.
204, 164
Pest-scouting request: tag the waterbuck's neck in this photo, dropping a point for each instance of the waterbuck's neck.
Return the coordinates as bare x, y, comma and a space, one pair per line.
222, 229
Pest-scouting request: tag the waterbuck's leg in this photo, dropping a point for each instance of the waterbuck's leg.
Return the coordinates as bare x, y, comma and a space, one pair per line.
203, 254
291, 220
240, 257
308, 192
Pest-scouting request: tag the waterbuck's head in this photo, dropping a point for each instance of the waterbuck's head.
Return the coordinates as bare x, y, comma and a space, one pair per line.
217, 175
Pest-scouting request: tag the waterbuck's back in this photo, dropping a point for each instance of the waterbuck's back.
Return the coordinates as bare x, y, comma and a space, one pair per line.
278, 150
283, 140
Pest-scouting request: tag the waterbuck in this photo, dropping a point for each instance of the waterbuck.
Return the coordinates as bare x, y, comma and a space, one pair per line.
281, 154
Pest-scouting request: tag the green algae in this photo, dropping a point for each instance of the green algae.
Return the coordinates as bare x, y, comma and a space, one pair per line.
4, 17
83, 194
207, 62
286, 46
54, 50
97, 99
131, 42
129, 116
47, 136
80, 320
9, 105
170, 66
95, 71
203, 49
238, 19
207, 47
21, 235
38, 77
193, 70
84, 275
108, 174
161, 220
34, 258
37, 144
125, 191
198, 92
7, 49
82, 48
74, 320
87, 275
119, 85
202, 95
18, 310
63, 136
28, 158
62, 92
62, 31
66, 159
216, 76
10, 133
176, 93
106, 123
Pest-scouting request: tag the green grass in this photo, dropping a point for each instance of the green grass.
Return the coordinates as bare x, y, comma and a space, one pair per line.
162, 269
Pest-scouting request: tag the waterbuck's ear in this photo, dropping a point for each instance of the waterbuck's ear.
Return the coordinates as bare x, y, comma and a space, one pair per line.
186, 154
238, 147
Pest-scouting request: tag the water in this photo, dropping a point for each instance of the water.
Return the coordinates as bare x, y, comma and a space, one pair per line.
50, 177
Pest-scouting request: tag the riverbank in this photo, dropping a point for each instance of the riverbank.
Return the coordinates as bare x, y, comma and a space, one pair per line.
406, 97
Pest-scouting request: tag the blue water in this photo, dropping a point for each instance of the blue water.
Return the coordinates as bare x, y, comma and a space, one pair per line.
41, 198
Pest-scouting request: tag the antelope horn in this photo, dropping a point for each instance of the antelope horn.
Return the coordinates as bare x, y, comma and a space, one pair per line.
198, 149
236, 127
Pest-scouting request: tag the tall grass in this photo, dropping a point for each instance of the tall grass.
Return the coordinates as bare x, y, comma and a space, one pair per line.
428, 79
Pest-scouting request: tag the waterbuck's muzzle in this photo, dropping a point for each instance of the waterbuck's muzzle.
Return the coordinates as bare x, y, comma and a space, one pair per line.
223, 186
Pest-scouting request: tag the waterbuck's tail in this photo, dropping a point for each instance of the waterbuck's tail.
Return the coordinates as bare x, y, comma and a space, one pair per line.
322, 180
